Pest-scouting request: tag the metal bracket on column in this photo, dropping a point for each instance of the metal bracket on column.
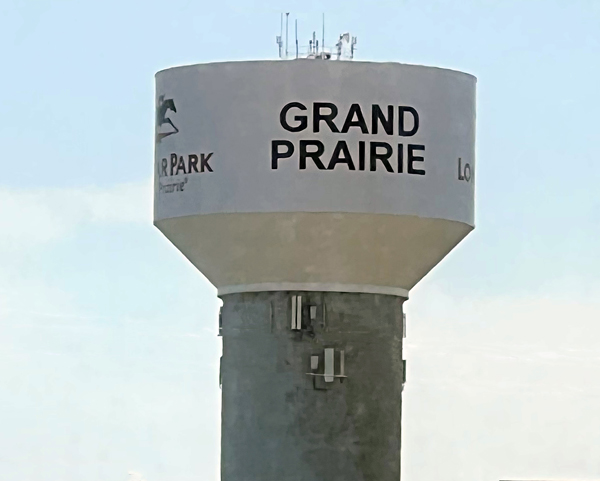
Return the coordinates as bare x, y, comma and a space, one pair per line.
329, 368
220, 321
296, 313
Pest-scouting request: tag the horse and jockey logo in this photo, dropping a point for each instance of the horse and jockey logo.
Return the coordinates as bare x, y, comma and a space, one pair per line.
172, 166
164, 125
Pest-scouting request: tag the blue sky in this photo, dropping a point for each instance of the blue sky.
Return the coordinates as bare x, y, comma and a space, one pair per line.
108, 346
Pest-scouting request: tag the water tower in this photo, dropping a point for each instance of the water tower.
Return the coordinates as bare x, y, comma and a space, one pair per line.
314, 194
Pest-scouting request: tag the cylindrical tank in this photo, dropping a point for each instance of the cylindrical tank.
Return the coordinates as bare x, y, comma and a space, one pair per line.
313, 174
314, 195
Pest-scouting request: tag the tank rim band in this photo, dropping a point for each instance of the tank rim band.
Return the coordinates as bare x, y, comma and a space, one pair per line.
313, 286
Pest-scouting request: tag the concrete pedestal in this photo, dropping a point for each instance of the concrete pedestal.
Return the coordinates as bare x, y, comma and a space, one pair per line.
282, 420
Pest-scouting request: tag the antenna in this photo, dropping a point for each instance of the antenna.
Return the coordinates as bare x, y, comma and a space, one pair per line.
296, 38
280, 36
323, 36
344, 49
287, 16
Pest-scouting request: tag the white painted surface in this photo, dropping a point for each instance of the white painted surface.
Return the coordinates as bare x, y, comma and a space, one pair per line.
233, 110
246, 224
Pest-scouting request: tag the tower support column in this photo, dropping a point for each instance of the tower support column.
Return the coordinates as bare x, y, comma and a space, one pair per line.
312, 386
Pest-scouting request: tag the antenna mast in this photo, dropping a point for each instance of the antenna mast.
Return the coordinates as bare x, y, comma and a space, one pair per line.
296, 38
287, 16
344, 49
323, 36
280, 36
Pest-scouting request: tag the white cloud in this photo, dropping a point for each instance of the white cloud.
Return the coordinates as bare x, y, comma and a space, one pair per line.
37, 216
27, 297
32, 218
135, 476
506, 343
502, 386
560, 315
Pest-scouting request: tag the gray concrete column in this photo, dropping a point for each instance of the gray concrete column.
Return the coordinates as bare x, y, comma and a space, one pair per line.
281, 420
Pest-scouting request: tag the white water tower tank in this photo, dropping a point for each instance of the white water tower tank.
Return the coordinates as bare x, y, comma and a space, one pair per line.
314, 175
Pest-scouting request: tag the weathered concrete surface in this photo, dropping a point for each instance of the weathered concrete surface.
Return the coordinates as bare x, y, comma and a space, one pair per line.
280, 424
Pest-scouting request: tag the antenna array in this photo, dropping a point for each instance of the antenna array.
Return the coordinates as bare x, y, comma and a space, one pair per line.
343, 50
